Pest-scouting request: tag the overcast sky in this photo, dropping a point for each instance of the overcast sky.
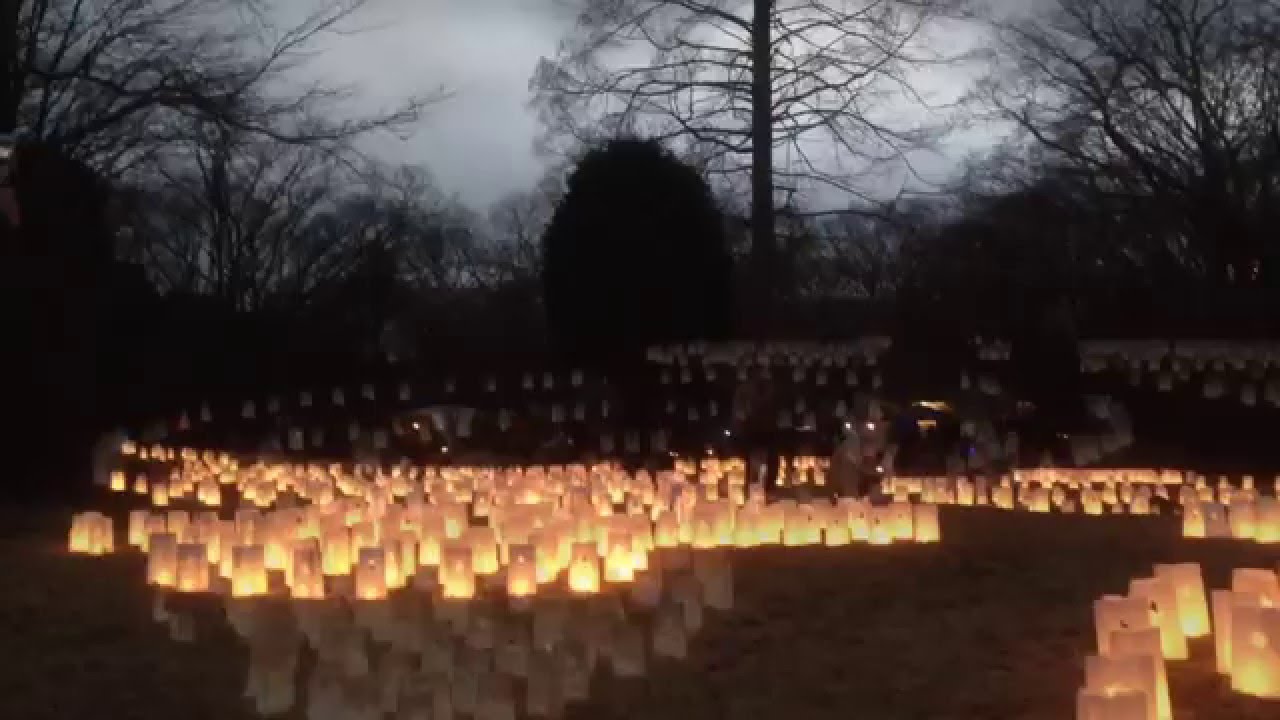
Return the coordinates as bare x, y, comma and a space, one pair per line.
479, 143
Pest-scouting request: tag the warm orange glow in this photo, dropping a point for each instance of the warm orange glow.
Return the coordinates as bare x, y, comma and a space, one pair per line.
619, 564
162, 559
192, 568
308, 522
248, 571
584, 569
336, 552
522, 579
92, 533
307, 578
371, 574
457, 571
484, 550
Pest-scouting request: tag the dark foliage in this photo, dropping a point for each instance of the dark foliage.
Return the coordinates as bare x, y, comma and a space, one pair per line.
635, 254
57, 267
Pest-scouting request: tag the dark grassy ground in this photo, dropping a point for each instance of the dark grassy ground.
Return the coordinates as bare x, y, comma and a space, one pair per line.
994, 623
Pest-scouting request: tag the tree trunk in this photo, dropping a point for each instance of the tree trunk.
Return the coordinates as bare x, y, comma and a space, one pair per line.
762, 286
10, 75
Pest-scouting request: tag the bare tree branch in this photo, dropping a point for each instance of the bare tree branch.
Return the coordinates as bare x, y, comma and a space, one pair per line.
681, 71
1165, 107
109, 80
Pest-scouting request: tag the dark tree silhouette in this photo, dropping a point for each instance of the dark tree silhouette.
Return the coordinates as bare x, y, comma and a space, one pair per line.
1165, 108
57, 268
635, 254
744, 84
117, 83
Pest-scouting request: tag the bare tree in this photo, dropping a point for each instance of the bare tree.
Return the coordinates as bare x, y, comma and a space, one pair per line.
437, 232
116, 82
858, 256
245, 220
1164, 108
262, 224
737, 83
516, 224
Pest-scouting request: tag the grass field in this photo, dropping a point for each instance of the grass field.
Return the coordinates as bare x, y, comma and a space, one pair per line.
993, 623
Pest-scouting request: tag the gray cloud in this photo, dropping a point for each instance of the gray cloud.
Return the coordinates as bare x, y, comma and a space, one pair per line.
479, 143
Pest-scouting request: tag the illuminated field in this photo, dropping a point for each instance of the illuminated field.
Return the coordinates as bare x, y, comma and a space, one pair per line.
993, 622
